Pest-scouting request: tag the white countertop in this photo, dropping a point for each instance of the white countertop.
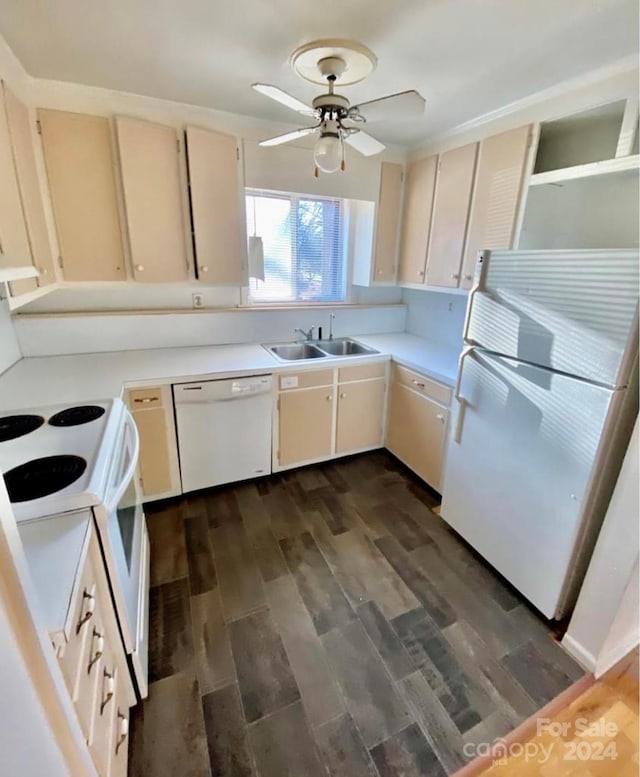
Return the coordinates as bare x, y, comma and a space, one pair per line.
83, 377
53, 549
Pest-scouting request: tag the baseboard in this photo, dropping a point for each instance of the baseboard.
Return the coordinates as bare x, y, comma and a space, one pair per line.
579, 652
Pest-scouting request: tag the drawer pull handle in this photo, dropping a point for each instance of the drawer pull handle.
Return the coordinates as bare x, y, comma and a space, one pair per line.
145, 400
418, 384
89, 609
123, 730
97, 648
108, 688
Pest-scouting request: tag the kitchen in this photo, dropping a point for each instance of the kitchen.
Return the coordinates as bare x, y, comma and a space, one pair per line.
338, 454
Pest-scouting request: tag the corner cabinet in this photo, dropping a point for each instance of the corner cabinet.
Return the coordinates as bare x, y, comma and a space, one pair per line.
323, 414
417, 424
217, 207
152, 410
80, 170
154, 187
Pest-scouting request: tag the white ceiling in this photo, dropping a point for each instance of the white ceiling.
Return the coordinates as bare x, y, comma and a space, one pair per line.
467, 57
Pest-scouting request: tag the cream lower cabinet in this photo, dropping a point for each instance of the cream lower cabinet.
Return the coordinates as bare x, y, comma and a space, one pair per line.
417, 424
152, 410
322, 414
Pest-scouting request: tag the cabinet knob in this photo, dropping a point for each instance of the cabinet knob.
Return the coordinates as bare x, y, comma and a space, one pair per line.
342, 396
420, 273
122, 729
468, 277
139, 268
454, 276
440, 418
204, 269
329, 397
89, 606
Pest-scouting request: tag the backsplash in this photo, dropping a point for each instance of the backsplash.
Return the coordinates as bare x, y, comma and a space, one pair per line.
9, 348
435, 315
44, 335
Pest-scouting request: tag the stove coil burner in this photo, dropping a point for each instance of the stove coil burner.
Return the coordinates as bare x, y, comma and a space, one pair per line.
75, 416
41, 477
12, 426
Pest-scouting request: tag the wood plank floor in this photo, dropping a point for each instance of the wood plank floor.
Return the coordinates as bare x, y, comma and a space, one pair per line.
326, 622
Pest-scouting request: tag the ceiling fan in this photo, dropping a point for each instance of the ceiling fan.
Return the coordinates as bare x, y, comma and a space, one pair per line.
331, 63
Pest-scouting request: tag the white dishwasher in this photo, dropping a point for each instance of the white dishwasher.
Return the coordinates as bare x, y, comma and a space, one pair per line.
224, 430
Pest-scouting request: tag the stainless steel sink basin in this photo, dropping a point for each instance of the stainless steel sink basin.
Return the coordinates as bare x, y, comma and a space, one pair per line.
293, 352
344, 347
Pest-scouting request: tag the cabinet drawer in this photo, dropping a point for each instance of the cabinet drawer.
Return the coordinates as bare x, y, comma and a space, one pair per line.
143, 398
105, 712
425, 386
88, 679
297, 380
362, 372
81, 624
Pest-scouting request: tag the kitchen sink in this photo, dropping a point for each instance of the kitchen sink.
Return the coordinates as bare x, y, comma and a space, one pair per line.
319, 349
293, 352
344, 347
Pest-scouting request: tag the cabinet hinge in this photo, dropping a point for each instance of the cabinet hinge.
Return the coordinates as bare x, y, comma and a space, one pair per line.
178, 144
237, 153
38, 127
60, 262
278, 404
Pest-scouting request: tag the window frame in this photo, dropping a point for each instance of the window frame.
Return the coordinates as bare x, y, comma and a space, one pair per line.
346, 244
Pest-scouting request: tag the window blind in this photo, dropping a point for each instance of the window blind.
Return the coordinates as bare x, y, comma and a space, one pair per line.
303, 247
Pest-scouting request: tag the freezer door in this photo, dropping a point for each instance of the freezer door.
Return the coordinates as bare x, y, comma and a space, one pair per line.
573, 311
519, 465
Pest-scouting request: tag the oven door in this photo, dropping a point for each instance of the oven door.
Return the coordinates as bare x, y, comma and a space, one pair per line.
123, 531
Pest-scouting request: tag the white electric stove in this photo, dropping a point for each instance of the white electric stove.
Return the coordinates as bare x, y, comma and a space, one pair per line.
61, 459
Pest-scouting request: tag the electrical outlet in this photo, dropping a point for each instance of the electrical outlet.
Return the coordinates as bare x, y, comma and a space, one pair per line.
197, 300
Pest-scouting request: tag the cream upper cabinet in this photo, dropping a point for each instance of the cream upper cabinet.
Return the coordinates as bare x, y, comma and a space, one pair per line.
14, 241
80, 170
153, 186
496, 197
385, 250
217, 207
360, 415
452, 200
416, 219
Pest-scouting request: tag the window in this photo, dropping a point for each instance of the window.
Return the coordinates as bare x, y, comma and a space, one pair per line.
303, 247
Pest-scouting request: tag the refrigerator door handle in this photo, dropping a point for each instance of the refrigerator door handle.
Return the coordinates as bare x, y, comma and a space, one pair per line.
483, 257
462, 402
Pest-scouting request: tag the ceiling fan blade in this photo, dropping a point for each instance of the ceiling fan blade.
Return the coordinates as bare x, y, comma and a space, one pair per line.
285, 99
288, 136
364, 143
394, 106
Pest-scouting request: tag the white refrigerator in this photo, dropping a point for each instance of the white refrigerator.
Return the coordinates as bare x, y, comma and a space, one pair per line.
544, 407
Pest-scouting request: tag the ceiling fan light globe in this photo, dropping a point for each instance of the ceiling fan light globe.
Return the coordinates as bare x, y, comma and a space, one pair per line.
327, 153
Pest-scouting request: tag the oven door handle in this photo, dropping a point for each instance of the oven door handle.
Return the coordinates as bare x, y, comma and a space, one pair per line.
131, 469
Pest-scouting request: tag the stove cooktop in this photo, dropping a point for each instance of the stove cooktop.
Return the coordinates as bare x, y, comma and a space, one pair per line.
56, 459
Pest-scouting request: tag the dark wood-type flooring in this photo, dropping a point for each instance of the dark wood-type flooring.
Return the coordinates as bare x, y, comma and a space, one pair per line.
325, 622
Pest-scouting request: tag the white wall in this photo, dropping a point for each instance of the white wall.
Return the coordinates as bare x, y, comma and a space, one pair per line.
64, 334
624, 634
9, 348
435, 315
611, 565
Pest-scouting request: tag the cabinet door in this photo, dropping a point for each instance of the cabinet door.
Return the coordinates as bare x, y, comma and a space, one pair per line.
360, 415
416, 219
450, 214
152, 184
155, 464
79, 162
416, 433
217, 207
305, 425
496, 197
14, 242
387, 221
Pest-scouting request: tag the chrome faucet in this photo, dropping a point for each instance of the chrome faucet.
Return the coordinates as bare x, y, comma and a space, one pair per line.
332, 317
307, 335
